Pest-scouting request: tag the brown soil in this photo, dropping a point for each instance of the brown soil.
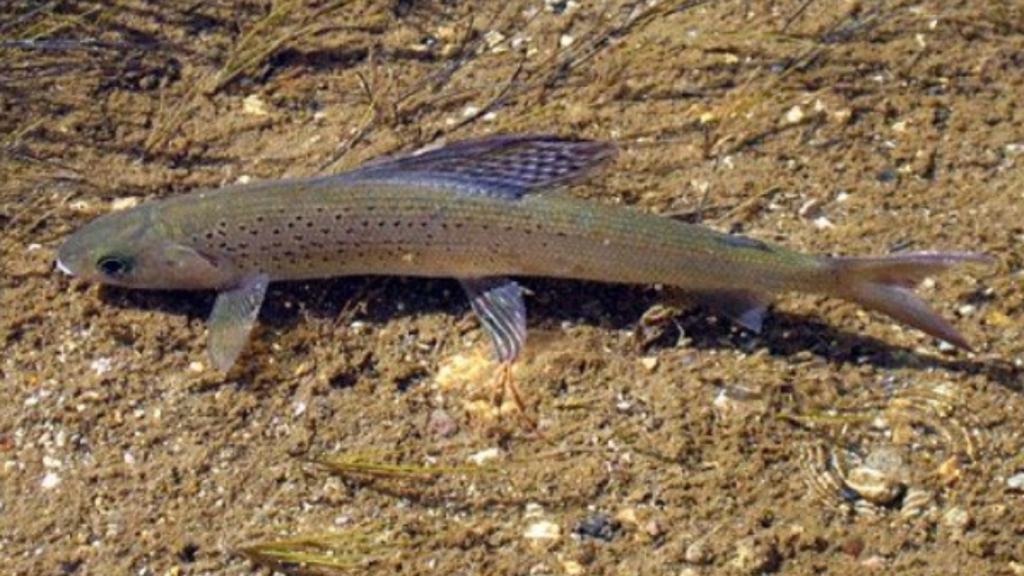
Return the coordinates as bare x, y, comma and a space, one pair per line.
672, 446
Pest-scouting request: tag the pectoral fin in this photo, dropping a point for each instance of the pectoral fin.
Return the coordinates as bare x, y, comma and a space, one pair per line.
234, 314
499, 304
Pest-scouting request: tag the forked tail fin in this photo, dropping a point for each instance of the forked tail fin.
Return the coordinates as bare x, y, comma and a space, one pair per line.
886, 284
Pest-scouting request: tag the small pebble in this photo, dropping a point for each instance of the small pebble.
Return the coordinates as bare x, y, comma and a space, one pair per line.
124, 203
254, 105
50, 481
793, 115
697, 553
495, 41
957, 519
484, 456
573, 568
874, 563
755, 557
823, 223
1016, 482
441, 424
598, 527
543, 530
853, 546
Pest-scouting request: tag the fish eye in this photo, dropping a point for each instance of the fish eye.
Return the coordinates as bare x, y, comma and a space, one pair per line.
114, 266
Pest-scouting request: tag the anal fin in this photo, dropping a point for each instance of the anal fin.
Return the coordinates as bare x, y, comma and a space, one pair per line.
745, 308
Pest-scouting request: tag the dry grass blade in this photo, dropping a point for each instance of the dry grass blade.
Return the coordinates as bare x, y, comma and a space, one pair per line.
758, 91
328, 553
285, 23
359, 465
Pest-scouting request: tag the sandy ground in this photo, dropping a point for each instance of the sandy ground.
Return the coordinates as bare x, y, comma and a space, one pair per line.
833, 443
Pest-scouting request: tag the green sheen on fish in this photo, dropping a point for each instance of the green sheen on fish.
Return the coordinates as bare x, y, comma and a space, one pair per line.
477, 211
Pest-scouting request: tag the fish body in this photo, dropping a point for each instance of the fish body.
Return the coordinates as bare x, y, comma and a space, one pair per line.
477, 211
326, 227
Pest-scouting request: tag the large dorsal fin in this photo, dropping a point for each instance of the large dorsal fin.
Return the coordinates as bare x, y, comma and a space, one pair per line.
504, 166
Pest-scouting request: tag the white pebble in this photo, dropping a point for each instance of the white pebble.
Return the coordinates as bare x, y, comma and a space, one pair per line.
823, 223
50, 481
1016, 482
565, 41
543, 530
124, 203
484, 456
494, 41
254, 105
794, 115
101, 366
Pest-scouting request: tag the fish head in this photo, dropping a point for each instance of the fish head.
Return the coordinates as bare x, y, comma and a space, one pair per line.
134, 249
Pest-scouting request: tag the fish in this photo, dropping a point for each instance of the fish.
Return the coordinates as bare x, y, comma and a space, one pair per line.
482, 211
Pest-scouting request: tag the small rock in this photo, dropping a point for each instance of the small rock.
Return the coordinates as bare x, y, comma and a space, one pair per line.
441, 424
793, 115
852, 546
874, 563
598, 527
654, 529
254, 105
50, 481
484, 456
124, 203
823, 223
1016, 482
698, 552
957, 519
627, 516
543, 530
495, 41
755, 557
573, 568
649, 363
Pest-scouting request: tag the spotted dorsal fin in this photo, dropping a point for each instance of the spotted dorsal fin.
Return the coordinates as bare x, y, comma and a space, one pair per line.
500, 166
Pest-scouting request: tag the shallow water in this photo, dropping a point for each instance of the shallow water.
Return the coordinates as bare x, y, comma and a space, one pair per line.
679, 445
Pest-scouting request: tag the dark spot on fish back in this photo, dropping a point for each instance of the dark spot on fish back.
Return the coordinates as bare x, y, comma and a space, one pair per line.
742, 242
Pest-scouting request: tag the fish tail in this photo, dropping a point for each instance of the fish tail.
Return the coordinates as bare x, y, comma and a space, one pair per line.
885, 284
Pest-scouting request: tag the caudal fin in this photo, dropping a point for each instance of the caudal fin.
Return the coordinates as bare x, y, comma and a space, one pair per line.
886, 284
